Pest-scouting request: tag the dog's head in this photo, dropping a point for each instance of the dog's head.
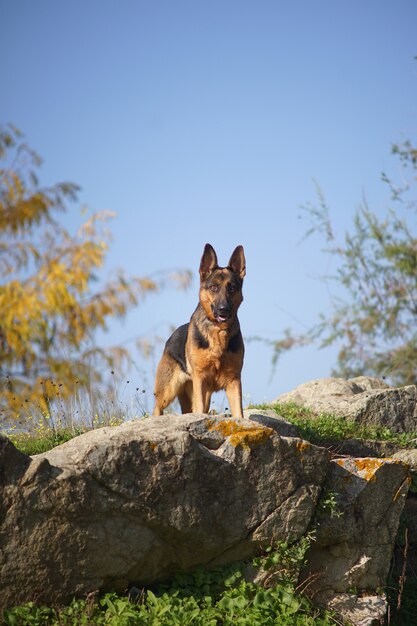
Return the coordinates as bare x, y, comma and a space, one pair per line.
221, 287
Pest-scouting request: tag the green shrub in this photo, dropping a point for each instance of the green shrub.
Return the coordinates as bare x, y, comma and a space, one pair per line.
220, 597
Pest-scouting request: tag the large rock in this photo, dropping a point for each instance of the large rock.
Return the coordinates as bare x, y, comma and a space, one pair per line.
356, 530
136, 503
409, 519
271, 419
363, 399
409, 457
360, 610
141, 501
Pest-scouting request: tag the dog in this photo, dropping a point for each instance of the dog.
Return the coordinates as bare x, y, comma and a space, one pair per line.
206, 355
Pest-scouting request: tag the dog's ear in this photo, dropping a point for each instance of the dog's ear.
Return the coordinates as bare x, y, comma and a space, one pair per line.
237, 262
208, 262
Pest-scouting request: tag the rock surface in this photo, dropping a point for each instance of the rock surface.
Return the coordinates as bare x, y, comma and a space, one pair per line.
360, 447
360, 611
356, 530
409, 457
138, 502
141, 501
270, 418
363, 399
409, 518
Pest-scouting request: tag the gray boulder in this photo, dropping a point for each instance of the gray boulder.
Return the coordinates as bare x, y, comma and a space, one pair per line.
271, 419
348, 565
360, 611
356, 530
136, 503
409, 518
409, 457
141, 501
364, 399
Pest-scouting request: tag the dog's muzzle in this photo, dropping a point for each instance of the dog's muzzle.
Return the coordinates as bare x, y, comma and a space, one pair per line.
221, 313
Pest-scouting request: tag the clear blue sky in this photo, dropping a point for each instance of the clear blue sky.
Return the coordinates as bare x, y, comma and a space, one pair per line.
207, 121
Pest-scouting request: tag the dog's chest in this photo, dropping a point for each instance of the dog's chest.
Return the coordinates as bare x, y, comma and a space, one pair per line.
217, 354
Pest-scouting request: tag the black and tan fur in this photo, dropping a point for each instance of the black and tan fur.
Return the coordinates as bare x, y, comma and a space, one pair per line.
206, 355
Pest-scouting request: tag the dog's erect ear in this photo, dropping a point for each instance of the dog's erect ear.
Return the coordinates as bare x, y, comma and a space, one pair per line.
208, 262
237, 262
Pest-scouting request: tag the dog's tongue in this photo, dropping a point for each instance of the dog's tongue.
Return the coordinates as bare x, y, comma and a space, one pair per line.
219, 318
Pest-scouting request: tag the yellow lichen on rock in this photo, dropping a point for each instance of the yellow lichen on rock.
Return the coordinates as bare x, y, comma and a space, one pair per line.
368, 467
402, 489
246, 436
365, 468
302, 445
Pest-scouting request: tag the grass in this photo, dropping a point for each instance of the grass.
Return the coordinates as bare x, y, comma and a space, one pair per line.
34, 431
327, 427
42, 441
317, 429
86, 408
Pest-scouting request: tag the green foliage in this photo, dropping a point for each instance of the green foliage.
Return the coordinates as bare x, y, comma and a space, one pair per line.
245, 605
220, 597
324, 427
284, 560
374, 326
327, 506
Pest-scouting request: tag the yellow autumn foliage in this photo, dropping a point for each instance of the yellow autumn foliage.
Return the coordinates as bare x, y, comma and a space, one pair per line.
48, 308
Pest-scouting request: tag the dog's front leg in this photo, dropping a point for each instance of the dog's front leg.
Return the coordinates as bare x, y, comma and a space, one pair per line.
207, 400
199, 394
234, 395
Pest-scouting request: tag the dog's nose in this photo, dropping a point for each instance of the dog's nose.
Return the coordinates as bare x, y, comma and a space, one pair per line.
223, 308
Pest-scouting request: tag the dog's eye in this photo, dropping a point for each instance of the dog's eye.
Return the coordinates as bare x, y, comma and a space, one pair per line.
231, 288
214, 288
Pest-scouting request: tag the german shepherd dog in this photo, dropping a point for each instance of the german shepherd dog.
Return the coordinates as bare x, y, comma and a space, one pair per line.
206, 355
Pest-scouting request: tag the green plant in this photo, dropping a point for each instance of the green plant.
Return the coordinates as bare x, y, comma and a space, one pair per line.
327, 506
118, 611
325, 427
220, 597
283, 560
